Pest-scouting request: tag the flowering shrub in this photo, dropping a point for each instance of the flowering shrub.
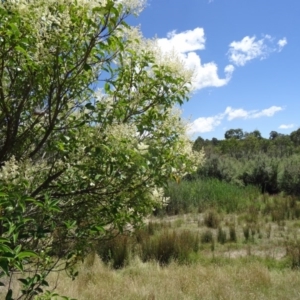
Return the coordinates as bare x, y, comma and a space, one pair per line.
89, 136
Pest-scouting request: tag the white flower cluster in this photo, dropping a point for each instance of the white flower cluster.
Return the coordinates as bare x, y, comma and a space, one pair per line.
183, 148
158, 196
51, 19
122, 131
168, 59
23, 173
134, 6
10, 171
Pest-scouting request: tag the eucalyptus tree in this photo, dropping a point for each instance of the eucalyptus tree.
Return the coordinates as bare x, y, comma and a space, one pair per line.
234, 134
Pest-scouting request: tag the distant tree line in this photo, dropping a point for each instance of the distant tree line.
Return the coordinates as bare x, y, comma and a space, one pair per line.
246, 158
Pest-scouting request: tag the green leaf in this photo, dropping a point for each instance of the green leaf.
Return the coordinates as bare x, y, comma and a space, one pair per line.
90, 106
87, 67
3, 240
21, 50
4, 266
107, 87
9, 295
18, 249
5, 249
25, 254
97, 229
15, 237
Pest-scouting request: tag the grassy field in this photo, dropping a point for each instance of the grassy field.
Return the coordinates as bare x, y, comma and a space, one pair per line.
215, 241
250, 254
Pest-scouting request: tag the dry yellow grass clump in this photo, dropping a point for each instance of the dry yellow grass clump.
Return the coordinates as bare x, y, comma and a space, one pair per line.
241, 279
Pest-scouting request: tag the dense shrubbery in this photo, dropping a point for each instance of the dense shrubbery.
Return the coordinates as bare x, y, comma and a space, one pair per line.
270, 174
245, 159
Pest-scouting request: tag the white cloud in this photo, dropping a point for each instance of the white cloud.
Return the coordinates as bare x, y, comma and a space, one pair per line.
240, 113
269, 112
208, 124
235, 113
187, 41
249, 48
186, 44
286, 126
206, 75
202, 125
281, 43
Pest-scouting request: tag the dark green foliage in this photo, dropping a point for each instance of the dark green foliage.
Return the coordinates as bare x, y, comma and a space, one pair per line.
295, 137
255, 133
270, 174
273, 135
234, 134
198, 144
219, 167
262, 172
242, 158
290, 179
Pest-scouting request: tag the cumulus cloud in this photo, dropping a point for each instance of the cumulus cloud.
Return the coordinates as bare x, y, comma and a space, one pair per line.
206, 75
240, 113
286, 126
208, 124
202, 125
236, 113
249, 48
269, 112
187, 41
185, 44
281, 43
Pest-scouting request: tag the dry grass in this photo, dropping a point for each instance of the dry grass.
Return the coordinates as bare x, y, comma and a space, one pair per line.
258, 268
265, 265
241, 279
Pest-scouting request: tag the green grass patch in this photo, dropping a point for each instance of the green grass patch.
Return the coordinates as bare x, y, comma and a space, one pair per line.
201, 194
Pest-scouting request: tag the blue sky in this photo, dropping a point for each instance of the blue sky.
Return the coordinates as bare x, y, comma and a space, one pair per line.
246, 54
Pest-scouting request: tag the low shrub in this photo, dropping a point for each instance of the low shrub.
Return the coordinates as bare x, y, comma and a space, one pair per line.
115, 251
170, 245
212, 219
222, 236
